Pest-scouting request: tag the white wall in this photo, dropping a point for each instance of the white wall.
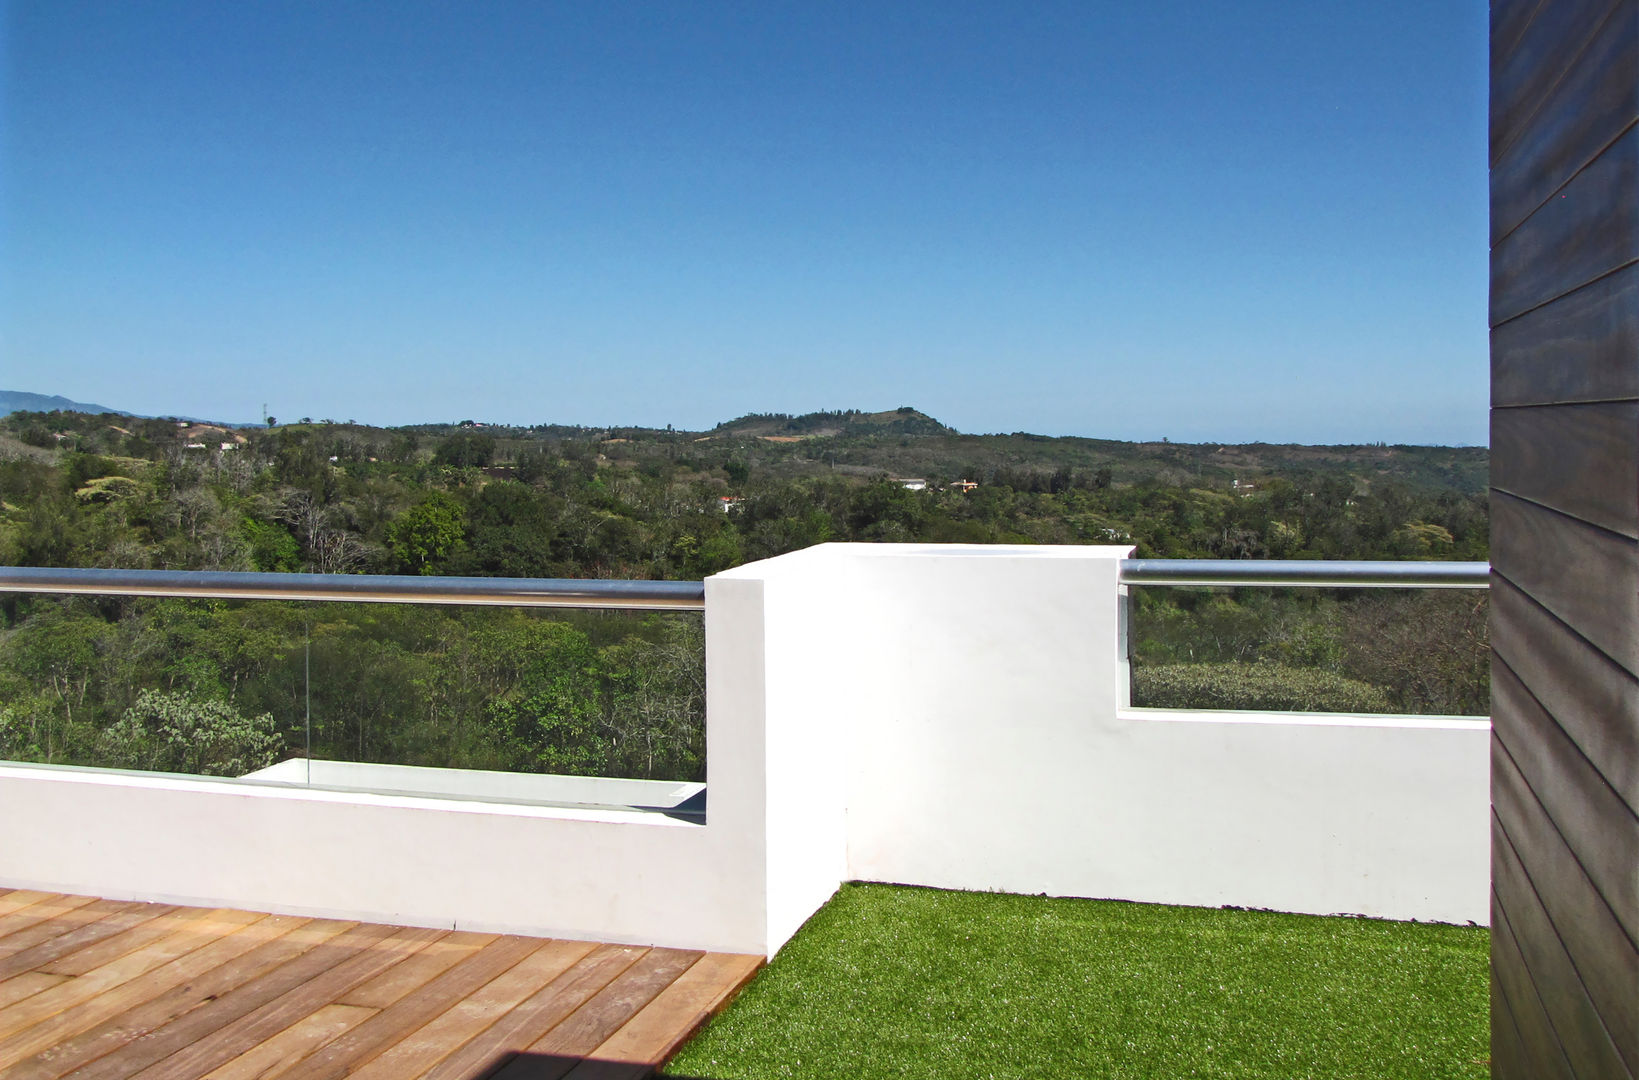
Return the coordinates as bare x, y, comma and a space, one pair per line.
990, 750
935, 715
601, 875
806, 725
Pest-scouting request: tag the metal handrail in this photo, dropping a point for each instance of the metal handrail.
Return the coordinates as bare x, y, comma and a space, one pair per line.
357, 588
1326, 573
677, 595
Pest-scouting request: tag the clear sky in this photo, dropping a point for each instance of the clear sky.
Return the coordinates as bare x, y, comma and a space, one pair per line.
1253, 220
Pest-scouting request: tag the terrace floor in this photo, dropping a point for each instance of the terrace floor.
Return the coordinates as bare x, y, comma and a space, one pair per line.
108, 990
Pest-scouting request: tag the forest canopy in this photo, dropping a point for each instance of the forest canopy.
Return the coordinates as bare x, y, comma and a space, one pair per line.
212, 688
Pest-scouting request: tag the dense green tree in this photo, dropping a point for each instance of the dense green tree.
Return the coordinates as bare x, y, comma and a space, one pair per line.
173, 732
427, 534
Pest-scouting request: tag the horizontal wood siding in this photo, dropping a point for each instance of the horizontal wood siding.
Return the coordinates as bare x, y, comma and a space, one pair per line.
1572, 350
1586, 231
1565, 538
1586, 110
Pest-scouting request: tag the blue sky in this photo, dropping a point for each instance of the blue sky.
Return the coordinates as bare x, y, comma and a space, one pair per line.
1205, 221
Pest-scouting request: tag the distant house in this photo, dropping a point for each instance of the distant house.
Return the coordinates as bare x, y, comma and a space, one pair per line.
230, 446
964, 486
910, 484
730, 502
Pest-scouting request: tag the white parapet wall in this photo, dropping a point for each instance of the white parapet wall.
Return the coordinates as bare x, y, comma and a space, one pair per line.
980, 693
951, 716
560, 871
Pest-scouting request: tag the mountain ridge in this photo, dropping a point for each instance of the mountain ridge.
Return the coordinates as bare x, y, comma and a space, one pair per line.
23, 401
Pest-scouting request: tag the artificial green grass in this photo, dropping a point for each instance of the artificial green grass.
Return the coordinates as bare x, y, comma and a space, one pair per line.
888, 981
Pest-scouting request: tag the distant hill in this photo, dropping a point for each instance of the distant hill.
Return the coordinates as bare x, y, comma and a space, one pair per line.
21, 401
818, 425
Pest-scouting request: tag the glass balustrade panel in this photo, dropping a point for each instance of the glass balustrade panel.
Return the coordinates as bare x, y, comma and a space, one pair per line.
1395, 651
554, 706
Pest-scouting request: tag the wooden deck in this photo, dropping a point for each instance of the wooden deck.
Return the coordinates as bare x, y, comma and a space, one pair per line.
106, 990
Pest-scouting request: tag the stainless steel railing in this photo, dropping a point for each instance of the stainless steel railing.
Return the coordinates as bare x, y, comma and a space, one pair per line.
355, 588
1325, 573
679, 595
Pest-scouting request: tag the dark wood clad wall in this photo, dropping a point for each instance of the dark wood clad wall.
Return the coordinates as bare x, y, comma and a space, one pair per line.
1565, 539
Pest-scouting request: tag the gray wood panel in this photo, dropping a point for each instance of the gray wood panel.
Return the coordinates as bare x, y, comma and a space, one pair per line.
1586, 231
1590, 695
1587, 577
1507, 1051
1579, 459
1576, 1020
1564, 313
1581, 347
1601, 830
1509, 20
1587, 109
1538, 1054
1524, 75
1604, 959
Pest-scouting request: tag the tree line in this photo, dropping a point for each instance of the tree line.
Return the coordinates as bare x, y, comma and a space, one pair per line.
143, 683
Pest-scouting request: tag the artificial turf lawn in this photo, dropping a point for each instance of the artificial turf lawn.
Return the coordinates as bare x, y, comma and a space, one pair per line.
888, 981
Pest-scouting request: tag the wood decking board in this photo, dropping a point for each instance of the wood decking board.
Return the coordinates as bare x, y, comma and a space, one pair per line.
551, 1004
17, 899
41, 921
107, 990
424, 1048
416, 1010
72, 1039
552, 1055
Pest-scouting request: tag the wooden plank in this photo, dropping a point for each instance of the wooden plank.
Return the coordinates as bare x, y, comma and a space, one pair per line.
429, 963
232, 1003
23, 986
1509, 20
1587, 577
1603, 957
17, 899
1601, 829
1588, 693
420, 1050
1589, 230
68, 1042
1507, 1050
199, 920
1539, 1049
203, 1042
1546, 50
542, 1011
561, 1049
32, 917
1593, 104
664, 1024
1576, 1018
380, 1032
114, 918
1582, 347
1582, 460
118, 971
289, 1048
